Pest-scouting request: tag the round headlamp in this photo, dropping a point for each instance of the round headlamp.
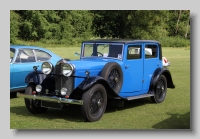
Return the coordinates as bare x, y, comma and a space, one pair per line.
67, 69
47, 67
38, 88
63, 91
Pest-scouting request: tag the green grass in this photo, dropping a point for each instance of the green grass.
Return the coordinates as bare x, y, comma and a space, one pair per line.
173, 113
66, 52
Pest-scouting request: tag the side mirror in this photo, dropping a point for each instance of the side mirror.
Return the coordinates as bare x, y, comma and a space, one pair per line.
76, 54
35, 68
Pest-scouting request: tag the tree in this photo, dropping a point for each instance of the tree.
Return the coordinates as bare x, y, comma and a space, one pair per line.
14, 26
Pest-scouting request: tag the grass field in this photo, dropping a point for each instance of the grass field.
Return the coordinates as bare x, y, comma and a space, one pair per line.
173, 113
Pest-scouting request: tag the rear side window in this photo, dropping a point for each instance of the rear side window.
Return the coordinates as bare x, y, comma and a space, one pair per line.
134, 52
25, 56
12, 53
42, 56
151, 51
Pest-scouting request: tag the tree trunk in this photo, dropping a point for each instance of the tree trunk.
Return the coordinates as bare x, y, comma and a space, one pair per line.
179, 15
187, 27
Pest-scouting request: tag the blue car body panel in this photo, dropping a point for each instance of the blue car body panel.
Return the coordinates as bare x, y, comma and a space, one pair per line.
137, 73
18, 71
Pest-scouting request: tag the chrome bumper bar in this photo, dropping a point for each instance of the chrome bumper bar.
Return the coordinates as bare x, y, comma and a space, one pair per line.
51, 99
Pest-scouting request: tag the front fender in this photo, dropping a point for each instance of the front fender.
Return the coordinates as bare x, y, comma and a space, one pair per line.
36, 77
90, 82
157, 74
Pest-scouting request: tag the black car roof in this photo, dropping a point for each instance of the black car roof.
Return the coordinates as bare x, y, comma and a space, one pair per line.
125, 41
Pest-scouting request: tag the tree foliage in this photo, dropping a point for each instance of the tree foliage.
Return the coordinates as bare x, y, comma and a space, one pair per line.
71, 26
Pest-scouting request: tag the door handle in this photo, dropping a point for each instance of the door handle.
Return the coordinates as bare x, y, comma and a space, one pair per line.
126, 66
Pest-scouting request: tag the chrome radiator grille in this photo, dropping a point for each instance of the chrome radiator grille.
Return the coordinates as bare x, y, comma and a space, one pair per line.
62, 81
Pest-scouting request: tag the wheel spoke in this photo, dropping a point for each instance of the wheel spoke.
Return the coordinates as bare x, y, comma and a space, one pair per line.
113, 79
160, 89
96, 103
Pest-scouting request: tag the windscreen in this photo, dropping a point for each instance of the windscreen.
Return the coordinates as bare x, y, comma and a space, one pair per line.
104, 50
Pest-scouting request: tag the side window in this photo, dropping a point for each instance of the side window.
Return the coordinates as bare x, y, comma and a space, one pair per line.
24, 56
42, 56
151, 51
134, 52
12, 53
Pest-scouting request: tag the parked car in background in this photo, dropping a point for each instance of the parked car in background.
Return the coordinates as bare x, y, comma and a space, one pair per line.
107, 70
165, 62
22, 60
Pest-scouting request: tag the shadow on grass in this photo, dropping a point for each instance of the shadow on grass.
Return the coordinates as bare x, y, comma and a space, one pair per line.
14, 94
128, 105
72, 113
176, 121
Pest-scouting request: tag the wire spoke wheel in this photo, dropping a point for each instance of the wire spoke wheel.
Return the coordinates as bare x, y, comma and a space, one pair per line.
95, 101
160, 90
33, 106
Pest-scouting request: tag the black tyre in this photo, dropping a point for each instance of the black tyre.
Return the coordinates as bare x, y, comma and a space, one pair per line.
34, 106
94, 103
112, 72
160, 90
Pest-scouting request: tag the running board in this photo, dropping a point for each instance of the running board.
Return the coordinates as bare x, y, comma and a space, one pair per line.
140, 96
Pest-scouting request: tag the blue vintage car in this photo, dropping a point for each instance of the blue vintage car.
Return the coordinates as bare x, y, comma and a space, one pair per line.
107, 70
22, 60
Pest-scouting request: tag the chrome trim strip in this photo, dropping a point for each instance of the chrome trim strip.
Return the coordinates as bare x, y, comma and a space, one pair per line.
140, 96
51, 99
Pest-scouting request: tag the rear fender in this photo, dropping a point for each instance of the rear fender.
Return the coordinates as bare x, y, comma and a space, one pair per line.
156, 75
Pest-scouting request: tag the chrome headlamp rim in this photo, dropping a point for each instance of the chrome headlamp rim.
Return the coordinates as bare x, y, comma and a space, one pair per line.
63, 91
38, 88
47, 71
68, 72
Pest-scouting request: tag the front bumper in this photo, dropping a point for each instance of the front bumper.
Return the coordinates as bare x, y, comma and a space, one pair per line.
51, 99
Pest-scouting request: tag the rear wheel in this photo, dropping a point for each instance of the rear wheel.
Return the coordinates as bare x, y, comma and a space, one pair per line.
160, 90
34, 106
94, 103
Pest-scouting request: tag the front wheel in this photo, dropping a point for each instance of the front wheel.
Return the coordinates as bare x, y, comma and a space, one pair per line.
34, 106
94, 103
160, 90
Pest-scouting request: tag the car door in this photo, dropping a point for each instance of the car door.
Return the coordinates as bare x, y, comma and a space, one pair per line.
12, 56
22, 66
133, 70
151, 62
